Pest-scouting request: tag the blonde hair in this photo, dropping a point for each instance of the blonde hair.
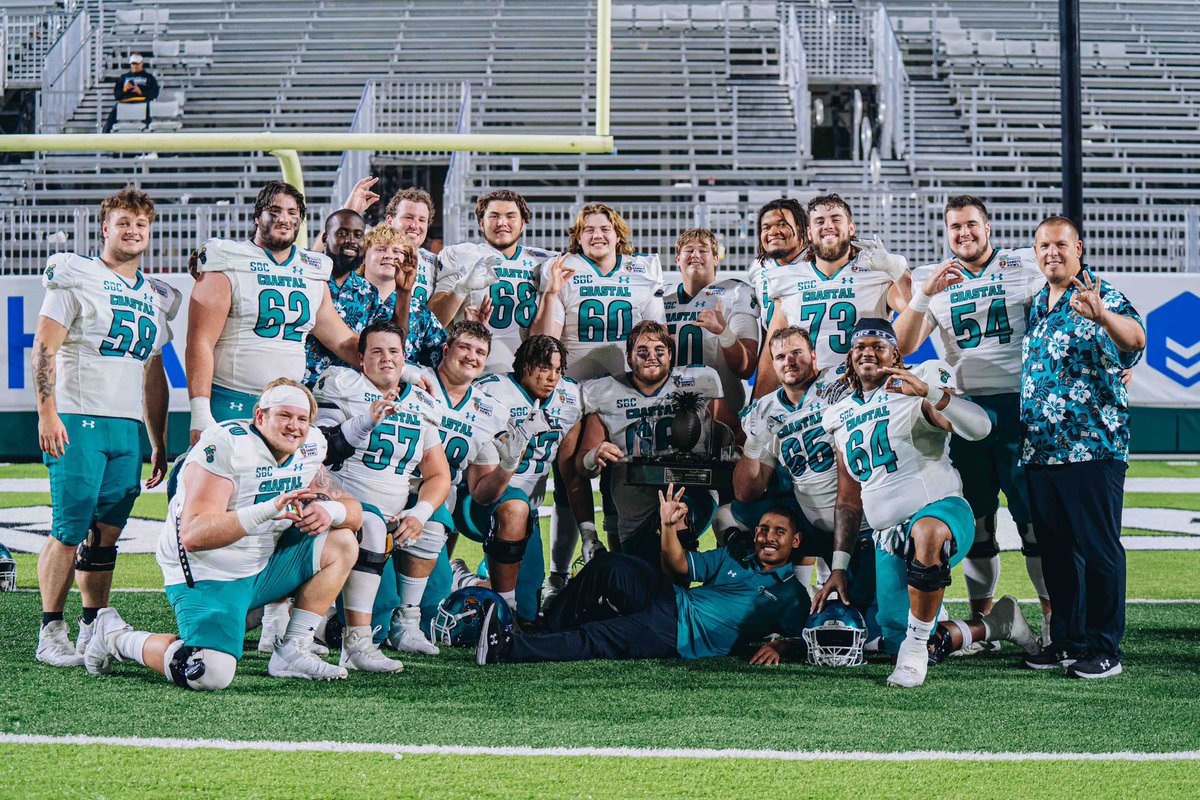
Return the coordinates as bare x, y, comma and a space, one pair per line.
384, 235
312, 401
701, 235
623, 231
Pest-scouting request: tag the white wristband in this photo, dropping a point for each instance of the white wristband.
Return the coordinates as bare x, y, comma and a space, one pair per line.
840, 560
337, 511
589, 459
920, 300
411, 373
934, 395
357, 430
727, 338
587, 531
423, 510
257, 514
202, 417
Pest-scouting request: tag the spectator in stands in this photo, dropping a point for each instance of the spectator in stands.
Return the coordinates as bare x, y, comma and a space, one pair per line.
135, 86
1075, 428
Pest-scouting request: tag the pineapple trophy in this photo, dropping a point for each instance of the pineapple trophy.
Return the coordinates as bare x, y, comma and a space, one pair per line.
695, 451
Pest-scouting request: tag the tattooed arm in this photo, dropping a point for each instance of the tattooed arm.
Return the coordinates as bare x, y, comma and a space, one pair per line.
49, 337
326, 488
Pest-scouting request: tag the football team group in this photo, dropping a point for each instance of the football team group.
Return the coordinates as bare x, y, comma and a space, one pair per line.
358, 406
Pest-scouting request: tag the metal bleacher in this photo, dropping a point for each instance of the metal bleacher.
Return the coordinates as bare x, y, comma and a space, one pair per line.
710, 113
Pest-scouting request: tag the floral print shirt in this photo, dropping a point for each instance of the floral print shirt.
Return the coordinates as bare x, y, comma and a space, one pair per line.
1073, 404
358, 303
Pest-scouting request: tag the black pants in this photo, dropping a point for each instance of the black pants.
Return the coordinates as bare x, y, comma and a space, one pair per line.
616, 607
1077, 521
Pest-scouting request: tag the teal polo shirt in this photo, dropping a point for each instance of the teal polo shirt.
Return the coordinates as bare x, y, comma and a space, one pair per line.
739, 602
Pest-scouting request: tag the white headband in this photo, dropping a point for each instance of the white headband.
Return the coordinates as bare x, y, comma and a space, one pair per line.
284, 396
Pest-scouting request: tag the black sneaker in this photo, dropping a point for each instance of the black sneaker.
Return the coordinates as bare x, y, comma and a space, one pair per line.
1051, 657
1095, 666
493, 638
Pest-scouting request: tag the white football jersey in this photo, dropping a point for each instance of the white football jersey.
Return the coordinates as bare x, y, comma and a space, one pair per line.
829, 307
468, 430
697, 347
900, 459
564, 407
273, 307
514, 295
236, 450
981, 321
598, 311
803, 447
381, 472
113, 327
640, 424
770, 281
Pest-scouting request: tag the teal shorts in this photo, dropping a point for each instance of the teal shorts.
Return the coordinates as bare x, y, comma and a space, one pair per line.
474, 520
226, 404
98, 476
992, 465
213, 613
891, 571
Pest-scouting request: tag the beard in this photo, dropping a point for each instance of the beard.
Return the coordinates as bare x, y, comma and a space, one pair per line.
343, 264
272, 242
833, 252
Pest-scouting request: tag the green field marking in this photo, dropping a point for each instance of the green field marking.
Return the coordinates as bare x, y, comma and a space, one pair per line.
147, 506
985, 703
1142, 468
37, 771
1162, 500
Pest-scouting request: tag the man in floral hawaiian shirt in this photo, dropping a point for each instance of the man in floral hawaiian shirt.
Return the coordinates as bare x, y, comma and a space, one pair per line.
1075, 417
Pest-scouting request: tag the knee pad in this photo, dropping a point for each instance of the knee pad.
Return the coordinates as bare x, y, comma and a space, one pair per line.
1029, 544
724, 522
199, 669
91, 557
985, 538
374, 545
505, 552
371, 562
926, 577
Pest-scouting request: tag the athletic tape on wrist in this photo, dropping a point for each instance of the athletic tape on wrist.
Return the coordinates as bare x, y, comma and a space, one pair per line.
727, 338
839, 560
202, 417
257, 514
423, 510
920, 300
337, 511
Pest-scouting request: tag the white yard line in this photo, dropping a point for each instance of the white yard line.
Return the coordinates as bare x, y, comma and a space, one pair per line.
592, 752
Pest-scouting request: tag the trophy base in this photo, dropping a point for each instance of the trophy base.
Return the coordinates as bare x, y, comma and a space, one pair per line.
698, 474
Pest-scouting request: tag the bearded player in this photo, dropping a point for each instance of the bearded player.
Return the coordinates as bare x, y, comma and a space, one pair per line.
256, 517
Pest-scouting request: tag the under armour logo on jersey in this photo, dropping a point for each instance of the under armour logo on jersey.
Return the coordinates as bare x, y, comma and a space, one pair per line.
733, 573
88, 423
235, 406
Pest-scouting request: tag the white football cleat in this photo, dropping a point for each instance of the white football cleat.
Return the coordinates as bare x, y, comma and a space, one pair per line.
555, 582
293, 659
406, 635
55, 647
84, 636
1005, 621
360, 653
317, 649
102, 649
274, 624
911, 665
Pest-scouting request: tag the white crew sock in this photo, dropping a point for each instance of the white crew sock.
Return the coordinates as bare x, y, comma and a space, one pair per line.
277, 612
982, 575
130, 645
804, 575
411, 590
918, 629
302, 624
359, 592
510, 598
1033, 565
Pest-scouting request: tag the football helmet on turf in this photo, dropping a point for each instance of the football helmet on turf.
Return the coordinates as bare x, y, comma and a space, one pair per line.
835, 636
458, 616
8, 571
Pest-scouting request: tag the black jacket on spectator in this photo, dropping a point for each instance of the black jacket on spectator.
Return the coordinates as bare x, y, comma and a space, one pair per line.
143, 80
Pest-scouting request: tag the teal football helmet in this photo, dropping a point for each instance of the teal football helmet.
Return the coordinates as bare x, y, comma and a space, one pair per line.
456, 623
8, 571
836, 636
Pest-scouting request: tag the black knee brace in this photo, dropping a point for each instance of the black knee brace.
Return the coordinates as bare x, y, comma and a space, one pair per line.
91, 557
940, 646
337, 449
505, 552
985, 538
371, 562
1029, 544
928, 578
186, 665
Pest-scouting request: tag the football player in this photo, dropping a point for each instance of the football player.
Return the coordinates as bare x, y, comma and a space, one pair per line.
632, 415
410, 211
538, 398
498, 271
891, 434
592, 296
256, 517
97, 371
782, 227
252, 307
841, 281
715, 323
380, 429
978, 302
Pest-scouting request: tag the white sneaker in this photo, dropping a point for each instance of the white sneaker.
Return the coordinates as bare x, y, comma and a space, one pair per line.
84, 636
406, 634
462, 575
293, 659
274, 624
555, 582
1005, 621
102, 649
359, 652
911, 665
55, 647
